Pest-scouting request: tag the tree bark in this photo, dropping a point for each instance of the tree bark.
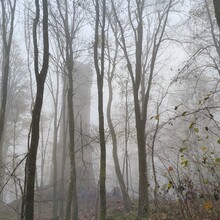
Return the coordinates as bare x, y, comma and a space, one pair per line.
110, 76
69, 27
64, 147
72, 195
55, 202
136, 73
55, 144
7, 34
125, 195
100, 76
28, 200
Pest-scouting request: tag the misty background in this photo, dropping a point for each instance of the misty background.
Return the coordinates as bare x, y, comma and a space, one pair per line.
129, 125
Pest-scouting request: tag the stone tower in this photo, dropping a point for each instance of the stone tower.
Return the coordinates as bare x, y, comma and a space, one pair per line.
81, 99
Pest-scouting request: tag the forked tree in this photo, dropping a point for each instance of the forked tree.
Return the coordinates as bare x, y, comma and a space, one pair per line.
70, 23
141, 68
111, 72
40, 75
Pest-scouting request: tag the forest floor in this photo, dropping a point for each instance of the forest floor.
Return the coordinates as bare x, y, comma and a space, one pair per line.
201, 210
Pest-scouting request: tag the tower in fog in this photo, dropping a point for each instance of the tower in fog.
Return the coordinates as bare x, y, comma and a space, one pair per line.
83, 150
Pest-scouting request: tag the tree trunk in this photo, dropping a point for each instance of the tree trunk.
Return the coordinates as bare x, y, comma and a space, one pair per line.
100, 76
72, 195
140, 107
126, 135
32, 154
7, 34
28, 199
55, 141
64, 147
102, 175
55, 204
69, 24
143, 201
125, 195
156, 185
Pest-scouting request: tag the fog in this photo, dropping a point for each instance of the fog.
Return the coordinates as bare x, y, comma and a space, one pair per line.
109, 109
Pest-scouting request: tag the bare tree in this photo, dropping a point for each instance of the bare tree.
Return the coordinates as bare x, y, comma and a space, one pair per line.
111, 71
63, 136
70, 25
54, 91
99, 58
142, 86
59, 67
40, 75
7, 11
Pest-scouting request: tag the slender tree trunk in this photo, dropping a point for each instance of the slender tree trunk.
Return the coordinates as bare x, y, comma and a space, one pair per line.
156, 185
125, 195
14, 162
125, 171
28, 199
140, 118
102, 175
7, 34
126, 135
44, 144
55, 202
64, 144
72, 194
55, 140
100, 76
39, 186
140, 105
32, 154
143, 201
69, 25
137, 72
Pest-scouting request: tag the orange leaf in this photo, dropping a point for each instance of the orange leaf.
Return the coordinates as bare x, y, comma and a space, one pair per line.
208, 205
